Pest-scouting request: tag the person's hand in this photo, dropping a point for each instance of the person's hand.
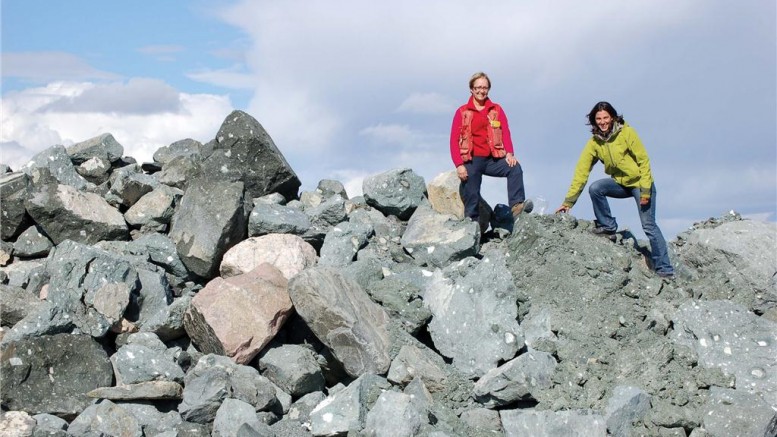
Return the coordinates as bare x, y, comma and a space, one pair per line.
644, 201
511, 160
562, 208
461, 171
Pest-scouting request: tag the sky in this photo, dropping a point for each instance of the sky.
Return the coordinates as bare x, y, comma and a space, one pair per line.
349, 89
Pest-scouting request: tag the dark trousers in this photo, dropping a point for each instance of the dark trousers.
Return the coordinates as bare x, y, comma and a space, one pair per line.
479, 166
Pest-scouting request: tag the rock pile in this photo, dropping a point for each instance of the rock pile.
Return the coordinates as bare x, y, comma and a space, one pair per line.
202, 295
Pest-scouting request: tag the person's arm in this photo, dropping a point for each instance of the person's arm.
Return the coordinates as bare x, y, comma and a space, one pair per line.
461, 171
507, 139
455, 134
583, 168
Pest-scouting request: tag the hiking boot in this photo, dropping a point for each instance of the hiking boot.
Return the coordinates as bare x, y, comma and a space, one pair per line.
602, 232
665, 275
526, 206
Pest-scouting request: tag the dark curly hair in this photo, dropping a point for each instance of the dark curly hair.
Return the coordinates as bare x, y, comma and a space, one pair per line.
602, 106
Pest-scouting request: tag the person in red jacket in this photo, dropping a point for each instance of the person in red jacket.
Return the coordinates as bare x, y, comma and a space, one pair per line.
481, 145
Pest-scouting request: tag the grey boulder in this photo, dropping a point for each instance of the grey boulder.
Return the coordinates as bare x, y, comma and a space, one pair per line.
210, 219
342, 316
65, 213
293, 368
516, 379
474, 313
57, 161
14, 191
395, 192
245, 152
52, 373
102, 146
438, 239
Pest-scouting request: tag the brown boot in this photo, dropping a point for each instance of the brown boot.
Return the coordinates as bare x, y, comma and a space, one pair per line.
526, 206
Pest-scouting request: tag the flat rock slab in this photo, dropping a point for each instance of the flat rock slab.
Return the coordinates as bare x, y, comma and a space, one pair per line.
143, 390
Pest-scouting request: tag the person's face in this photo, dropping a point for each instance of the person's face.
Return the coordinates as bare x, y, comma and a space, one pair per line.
480, 89
603, 120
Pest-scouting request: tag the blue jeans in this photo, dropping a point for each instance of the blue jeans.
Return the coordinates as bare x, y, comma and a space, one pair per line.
604, 188
482, 165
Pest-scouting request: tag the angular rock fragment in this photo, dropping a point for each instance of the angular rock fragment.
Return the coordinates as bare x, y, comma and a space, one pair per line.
395, 192
289, 253
277, 219
238, 316
151, 390
474, 313
438, 240
346, 410
56, 160
64, 213
293, 368
394, 415
516, 379
344, 318
209, 221
342, 243
14, 191
52, 373
32, 244
245, 152
106, 418
102, 146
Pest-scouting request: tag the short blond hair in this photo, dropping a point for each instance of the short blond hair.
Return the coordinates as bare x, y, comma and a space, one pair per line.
479, 75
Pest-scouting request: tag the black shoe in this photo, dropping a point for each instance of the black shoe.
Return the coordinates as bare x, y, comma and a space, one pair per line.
602, 232
666, 275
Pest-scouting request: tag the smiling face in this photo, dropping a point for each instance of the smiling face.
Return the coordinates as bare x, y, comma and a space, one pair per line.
480, 89
603, 121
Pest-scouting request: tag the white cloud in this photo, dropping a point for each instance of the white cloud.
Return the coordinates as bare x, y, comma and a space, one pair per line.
137, 96
324, 72
352, 181
24, 123
357, 41
731, 187
233, 78
298, 122
428, 103
392, 134
48, 66
14, 154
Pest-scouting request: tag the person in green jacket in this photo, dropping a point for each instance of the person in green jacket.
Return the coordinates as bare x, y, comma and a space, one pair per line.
625, 159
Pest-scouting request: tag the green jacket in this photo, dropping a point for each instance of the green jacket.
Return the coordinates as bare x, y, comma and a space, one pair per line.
624, 158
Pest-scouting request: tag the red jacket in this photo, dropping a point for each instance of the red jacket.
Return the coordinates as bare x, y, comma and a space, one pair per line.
479, 127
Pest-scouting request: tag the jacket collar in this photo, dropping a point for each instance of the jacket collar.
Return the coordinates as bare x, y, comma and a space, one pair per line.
488, 104
607, 136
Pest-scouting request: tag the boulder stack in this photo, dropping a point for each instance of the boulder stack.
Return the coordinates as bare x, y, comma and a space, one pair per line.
202, 294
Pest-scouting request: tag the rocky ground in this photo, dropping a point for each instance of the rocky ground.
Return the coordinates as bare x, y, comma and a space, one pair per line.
201, 294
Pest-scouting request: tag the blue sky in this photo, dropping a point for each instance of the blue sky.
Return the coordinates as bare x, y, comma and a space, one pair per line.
349, 88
